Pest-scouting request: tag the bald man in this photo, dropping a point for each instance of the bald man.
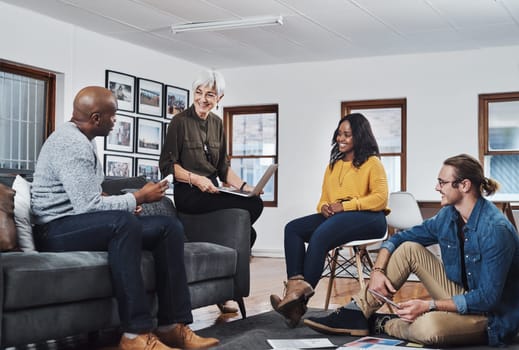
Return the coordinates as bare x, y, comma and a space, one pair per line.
71, 214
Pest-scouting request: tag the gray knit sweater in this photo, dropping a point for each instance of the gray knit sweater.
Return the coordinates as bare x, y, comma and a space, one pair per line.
68, 177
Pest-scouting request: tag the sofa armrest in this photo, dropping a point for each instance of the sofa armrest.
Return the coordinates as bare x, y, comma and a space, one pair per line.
227, 227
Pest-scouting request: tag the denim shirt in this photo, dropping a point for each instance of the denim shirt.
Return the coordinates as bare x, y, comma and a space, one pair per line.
491, 261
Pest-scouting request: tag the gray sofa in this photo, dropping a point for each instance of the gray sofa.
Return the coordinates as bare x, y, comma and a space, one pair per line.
55, 295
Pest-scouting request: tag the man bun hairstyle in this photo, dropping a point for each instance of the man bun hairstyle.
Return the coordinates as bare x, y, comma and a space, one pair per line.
468, 167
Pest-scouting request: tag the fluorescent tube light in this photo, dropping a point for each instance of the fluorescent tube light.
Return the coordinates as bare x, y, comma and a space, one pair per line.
250, 22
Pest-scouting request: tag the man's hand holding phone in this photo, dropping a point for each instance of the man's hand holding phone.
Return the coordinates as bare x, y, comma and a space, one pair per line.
384, 298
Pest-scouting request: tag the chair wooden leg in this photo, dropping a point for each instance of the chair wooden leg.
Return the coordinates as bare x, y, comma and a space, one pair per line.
360, 269
368, 258
333, 266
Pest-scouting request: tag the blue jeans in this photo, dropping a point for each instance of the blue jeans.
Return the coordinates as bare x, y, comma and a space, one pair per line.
124, 236
324, 234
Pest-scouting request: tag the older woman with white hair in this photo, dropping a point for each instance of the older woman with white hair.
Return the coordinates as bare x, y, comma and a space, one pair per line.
195, 152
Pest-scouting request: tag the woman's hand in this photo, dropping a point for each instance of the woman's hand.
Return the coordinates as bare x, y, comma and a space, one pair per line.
138, 210
248, 188
330, 209
326, 210
336, 207
205, 185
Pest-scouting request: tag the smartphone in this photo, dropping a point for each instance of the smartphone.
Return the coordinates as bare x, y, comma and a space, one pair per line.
387, 300
169, 178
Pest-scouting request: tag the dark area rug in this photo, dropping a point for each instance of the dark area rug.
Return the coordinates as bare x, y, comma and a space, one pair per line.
253, 332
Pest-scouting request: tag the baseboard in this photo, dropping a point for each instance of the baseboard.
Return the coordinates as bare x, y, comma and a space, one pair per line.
268, 253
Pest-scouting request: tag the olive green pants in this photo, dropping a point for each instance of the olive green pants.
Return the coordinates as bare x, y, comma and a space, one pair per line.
437, 328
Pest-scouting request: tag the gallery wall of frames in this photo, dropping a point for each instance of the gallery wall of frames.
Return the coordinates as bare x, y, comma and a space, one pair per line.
145, 108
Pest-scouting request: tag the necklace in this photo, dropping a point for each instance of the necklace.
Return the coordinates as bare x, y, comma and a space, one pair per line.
341, 176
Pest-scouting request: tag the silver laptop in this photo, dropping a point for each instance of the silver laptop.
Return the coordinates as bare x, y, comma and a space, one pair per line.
257, 189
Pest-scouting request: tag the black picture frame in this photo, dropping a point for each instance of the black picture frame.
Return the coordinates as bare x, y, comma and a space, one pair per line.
123, 87
148, 167
149, 136
122, 136
150, 97
176, 100
118, 165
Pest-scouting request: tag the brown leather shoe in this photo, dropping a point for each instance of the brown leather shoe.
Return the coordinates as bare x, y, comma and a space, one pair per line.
291, 313
227, 309
183, 337
142, 342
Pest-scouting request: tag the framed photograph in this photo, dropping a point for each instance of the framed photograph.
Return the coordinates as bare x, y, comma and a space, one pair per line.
118, 165
123, 87
122, 135
177, 100
150, 97
149, 168
149, 136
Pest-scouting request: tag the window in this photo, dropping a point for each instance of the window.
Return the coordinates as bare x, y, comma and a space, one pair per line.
499, 141
26, 115
388, 120
252, 138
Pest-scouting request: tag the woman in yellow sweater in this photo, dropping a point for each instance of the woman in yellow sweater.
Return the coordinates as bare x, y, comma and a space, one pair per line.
352, 207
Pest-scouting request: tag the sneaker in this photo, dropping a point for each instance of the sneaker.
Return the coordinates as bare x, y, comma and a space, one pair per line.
142, 342
376, 322
341, 322
182, 336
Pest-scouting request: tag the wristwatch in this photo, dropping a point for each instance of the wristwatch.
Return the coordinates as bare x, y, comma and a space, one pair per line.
432, 306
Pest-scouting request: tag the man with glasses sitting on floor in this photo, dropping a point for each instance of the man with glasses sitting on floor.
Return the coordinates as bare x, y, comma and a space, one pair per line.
474, 287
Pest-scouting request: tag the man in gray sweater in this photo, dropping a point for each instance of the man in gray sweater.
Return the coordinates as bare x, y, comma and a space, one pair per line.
72, 214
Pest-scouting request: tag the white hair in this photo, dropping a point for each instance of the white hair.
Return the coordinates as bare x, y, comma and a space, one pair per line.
210, 78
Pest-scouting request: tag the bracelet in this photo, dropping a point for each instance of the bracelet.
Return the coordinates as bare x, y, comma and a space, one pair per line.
379, 269
242, 185
189, 175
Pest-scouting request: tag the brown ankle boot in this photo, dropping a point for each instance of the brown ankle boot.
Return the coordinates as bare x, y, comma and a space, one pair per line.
293, 305
292, 314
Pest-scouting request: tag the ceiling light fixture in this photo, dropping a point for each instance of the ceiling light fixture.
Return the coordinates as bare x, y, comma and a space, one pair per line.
250, 22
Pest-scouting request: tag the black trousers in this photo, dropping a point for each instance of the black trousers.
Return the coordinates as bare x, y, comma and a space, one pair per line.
191, 200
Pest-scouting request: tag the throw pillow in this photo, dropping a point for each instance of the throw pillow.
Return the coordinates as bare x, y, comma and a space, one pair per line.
22, 213
7, 227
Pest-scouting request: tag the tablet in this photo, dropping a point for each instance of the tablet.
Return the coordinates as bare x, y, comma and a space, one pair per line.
386, 299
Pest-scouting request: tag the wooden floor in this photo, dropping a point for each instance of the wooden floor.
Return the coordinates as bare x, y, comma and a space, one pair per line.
267, 276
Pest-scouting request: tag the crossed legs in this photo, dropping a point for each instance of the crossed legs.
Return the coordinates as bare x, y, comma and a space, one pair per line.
436, 328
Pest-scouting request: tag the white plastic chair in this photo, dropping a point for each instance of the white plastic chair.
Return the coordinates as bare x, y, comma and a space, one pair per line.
339, 264
405, 212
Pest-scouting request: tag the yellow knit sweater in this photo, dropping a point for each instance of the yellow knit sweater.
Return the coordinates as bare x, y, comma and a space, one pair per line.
366, 187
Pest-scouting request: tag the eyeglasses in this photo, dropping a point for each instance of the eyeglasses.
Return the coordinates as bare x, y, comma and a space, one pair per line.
208, 95
442, 183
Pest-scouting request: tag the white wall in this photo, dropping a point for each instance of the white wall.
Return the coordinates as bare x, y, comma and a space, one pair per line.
441, 91
442, 116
